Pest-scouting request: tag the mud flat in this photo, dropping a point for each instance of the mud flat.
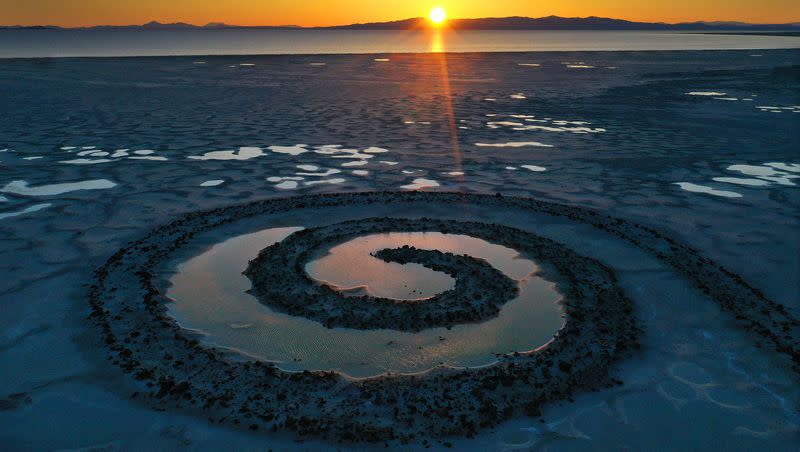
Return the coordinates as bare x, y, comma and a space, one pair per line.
174, 371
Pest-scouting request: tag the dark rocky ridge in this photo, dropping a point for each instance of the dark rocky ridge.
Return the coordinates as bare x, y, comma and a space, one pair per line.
485, 23
280, 281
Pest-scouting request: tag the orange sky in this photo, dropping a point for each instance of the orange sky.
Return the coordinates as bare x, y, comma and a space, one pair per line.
325, 12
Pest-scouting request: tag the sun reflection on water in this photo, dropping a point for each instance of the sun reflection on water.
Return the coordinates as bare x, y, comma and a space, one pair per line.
437, 42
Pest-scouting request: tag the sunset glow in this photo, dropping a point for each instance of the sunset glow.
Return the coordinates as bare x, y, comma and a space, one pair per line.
437, 15
325, 13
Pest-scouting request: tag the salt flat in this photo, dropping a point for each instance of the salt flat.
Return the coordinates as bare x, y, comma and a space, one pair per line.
655, 140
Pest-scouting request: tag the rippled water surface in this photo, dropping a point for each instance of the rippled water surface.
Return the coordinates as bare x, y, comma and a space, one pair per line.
48, 43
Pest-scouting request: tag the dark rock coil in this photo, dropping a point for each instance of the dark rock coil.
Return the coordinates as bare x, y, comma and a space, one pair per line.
171, 369
279, 279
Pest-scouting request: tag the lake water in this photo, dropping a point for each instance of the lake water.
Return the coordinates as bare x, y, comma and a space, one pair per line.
84, 43
210, 294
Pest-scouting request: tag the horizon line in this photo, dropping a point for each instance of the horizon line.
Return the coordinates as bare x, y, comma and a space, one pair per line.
419, 18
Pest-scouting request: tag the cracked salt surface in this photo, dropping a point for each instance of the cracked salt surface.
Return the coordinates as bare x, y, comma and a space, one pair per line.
336, 153
771, 109
555, 125
705, 93
791, 167
243, 153
688, 186
354, 163
286, 185
22, 188
742, 181
755, 170
86, 161
375, 150
292, 182
776, 172
512, 144
31, 209
100, 156
607, 182
92, 153
767, 175
326, 173
764, 108
420, 183
534, 168
291, 150
488, 173
155, 158
336, 180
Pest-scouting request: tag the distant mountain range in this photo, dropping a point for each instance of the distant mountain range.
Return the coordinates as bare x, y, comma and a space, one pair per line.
569, 23
492, 23
150, 26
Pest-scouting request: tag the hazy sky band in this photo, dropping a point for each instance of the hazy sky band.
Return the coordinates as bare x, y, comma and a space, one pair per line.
325, 12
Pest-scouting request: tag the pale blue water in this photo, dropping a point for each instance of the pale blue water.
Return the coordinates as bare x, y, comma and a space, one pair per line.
70, 43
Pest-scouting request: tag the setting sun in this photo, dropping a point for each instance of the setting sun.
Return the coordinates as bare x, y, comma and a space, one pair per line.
437, 15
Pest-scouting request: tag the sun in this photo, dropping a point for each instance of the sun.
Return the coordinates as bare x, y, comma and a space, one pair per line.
437, 15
